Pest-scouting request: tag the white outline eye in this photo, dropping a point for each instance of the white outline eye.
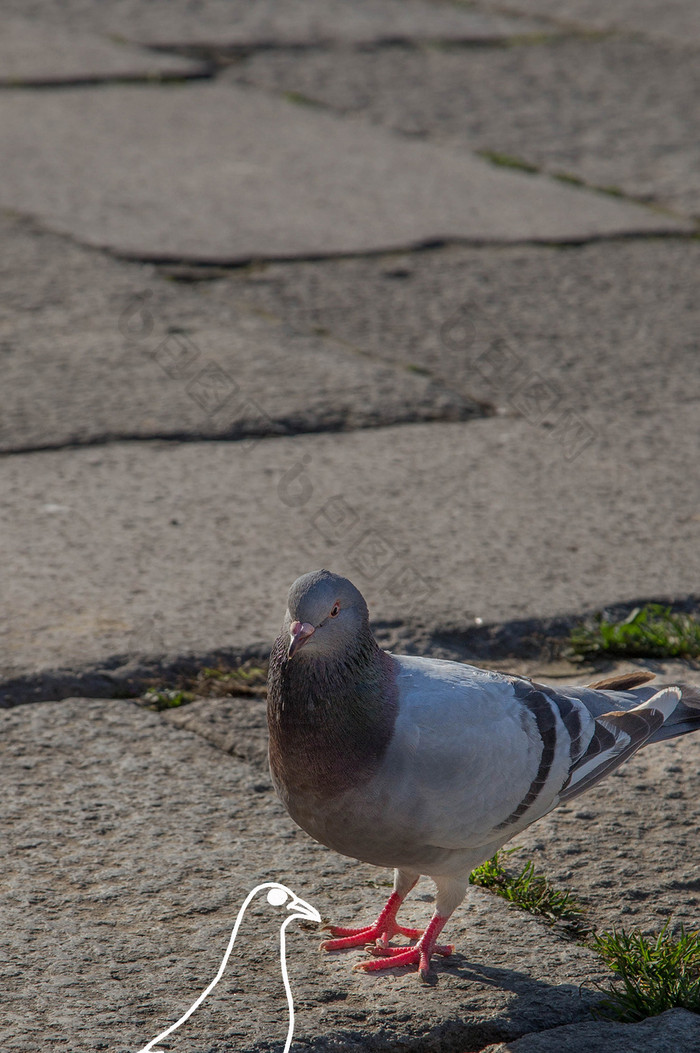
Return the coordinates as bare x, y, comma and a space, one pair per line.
335, 611
277, 896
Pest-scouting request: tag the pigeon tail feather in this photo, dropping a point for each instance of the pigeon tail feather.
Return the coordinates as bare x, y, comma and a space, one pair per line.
684, 719
618, 735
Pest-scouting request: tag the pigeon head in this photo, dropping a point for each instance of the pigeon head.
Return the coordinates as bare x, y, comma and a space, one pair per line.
325, 615
331, 701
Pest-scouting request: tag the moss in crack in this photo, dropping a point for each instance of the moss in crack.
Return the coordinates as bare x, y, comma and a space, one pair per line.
508, 161
248, 678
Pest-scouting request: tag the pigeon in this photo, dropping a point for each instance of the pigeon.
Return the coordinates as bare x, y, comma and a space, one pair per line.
278, 896
430, 766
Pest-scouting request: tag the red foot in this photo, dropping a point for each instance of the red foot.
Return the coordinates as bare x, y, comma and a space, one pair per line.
380, 933
445, 949
394, 957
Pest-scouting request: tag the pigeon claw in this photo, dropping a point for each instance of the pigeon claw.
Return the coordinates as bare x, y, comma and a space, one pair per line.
355, 938
395, 957
377, 934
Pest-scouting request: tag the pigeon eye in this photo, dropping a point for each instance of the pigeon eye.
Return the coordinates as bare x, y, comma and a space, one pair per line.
336, 610
276, 896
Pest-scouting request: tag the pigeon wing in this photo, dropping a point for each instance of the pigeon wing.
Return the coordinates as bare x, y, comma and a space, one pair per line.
474, 753
477, 754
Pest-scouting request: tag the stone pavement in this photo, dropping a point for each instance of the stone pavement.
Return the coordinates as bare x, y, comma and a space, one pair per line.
130, 844
407, 288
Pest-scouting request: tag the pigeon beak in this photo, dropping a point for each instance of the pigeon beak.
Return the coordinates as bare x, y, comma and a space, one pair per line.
299, 633
302, 909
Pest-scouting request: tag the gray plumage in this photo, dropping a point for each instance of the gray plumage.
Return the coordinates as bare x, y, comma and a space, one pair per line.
429, 766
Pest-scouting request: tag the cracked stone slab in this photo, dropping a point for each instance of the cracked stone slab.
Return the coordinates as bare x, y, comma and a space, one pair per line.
618, 113
673, 1030
37, 52
236, 725
95, 349
220, 172
603, 328
281, 23
130, 846
162, 549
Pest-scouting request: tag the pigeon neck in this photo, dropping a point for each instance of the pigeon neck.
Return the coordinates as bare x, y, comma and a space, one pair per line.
330, 721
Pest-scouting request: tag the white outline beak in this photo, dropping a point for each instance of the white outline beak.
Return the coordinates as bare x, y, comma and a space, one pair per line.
304, 910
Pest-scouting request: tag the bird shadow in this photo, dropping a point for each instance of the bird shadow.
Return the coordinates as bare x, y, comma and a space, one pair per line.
524, 986
493, 976
488, 1004
531, 1004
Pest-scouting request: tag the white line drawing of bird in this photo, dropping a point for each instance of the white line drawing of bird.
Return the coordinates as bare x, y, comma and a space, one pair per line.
430, 766
277, 896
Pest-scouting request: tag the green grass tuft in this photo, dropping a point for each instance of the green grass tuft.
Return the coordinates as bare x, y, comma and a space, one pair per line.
651, 631
167, 698
532, 892
654, 973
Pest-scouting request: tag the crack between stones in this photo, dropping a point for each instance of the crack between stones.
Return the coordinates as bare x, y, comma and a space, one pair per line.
200, 267
207, 53
215, 57
508, 1039
520, 164
284, 429
127, 675
429, 245
120, 676
226, 54
100, 80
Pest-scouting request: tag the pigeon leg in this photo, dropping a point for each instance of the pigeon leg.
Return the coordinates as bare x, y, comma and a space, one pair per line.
420, 955
450, 893
383, 929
